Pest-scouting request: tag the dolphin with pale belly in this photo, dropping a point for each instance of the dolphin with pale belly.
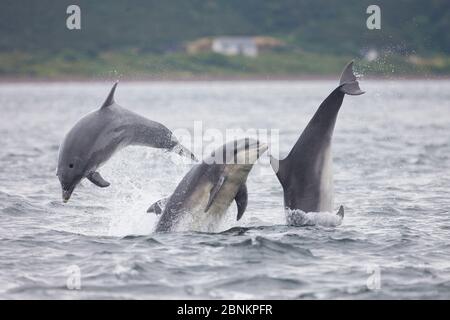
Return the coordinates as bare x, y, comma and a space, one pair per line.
203, 196
96, 137
306, 173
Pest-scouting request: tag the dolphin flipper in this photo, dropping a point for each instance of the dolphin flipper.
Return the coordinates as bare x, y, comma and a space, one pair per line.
158, 207
241, 199
214, 191
98, 180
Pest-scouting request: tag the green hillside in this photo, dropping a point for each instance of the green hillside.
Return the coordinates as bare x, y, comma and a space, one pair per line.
147, 37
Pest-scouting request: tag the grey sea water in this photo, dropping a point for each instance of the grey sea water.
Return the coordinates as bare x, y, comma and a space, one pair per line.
391, 168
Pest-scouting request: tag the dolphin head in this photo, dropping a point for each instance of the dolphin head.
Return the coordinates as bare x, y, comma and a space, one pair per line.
242, 152
72, 163
247, 151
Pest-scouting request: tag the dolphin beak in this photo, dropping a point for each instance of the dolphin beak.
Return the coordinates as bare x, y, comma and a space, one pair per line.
254, 151
262, 147
66, 194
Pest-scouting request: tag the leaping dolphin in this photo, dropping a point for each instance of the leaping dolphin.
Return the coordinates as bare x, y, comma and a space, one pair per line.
203, 196
306, 173
97, 136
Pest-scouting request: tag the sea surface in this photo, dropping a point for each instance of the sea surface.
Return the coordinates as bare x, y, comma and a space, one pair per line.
391, 163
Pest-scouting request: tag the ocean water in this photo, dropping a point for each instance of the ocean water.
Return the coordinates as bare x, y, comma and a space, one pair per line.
391, 155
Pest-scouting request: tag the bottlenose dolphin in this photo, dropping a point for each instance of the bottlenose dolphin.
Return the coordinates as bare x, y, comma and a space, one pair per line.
98, 135
306, 173
203, 196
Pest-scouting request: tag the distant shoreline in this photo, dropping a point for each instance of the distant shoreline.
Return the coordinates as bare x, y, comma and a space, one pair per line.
175, 67
203, 78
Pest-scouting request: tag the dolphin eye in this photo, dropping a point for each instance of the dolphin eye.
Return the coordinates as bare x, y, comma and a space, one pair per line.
71, 165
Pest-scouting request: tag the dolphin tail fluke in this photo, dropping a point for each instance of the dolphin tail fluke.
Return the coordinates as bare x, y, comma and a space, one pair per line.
158, 207
341, 212
348, 82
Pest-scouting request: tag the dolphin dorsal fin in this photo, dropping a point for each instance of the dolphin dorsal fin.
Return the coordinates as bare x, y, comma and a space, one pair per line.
110, 99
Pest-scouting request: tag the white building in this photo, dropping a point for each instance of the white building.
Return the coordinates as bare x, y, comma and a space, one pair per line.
233, 46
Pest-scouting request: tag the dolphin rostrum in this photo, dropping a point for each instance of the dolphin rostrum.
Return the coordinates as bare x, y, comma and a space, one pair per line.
306, 173
97, 136
201, 199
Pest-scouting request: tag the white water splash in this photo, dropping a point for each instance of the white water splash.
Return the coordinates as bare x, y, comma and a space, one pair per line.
300, 218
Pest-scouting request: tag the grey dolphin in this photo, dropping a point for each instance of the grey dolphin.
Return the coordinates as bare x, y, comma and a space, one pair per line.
207, 190
306, 173
97, 136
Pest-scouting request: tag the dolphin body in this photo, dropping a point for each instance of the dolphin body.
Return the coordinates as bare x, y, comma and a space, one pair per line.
96, 137
306, 173
201, 199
